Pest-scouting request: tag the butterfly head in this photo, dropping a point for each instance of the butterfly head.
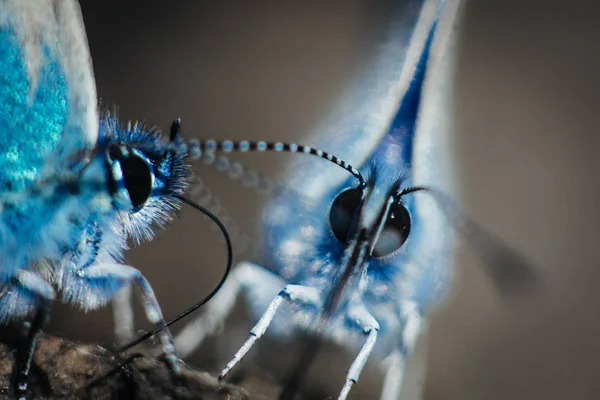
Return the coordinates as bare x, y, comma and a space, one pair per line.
371, 217
143, 174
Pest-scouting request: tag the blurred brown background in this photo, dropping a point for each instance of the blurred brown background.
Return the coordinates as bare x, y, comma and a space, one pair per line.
527, 98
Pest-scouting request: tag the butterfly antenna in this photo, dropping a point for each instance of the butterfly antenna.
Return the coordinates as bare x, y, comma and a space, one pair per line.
199, 304
203, 196
196, 148
251, 179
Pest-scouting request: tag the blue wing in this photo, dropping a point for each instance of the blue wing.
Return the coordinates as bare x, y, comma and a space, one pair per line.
432, 153
48, 111
367, 107
431, 162
48, 117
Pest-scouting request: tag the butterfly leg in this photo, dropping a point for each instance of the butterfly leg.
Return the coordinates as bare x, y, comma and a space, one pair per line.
298, 294
94, 286
123, 315
394, 376
28, 289
370, 327
245, 276
392, 382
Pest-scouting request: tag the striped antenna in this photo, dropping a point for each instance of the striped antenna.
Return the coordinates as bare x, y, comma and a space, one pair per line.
196, 148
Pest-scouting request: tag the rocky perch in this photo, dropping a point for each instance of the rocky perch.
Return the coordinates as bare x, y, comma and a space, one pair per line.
63, 369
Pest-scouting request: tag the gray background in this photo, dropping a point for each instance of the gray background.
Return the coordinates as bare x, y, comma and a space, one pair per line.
526, 106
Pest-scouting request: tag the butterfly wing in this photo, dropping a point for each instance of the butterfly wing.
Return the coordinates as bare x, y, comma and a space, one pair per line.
432, 164
47, 89
432, 149
399, 140
379, 109
357, 132
48, 117
354, 127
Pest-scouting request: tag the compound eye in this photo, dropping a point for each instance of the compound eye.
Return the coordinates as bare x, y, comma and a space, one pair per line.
137, 178
394, 232
343, 211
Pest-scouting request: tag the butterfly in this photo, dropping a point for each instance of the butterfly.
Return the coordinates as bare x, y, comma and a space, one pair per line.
360, 261
74, 185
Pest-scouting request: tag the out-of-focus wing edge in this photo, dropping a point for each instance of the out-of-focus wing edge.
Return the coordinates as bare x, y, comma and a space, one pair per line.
76, 59
433, 155
58, 24
354, 128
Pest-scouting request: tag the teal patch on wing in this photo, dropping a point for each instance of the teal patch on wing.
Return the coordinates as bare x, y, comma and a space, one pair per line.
31, 123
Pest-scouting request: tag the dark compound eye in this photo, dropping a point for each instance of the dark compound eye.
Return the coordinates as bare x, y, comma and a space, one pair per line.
394, 232
342, 213
138, 179
136, 176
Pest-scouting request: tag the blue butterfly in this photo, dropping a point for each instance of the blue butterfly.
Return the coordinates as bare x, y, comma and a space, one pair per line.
366, 257
74, 186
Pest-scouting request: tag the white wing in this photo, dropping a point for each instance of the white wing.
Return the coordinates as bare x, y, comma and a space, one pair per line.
432, 156
365, 110
432, 147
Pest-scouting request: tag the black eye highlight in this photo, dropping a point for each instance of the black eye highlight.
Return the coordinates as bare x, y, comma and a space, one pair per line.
343, 211
395, 231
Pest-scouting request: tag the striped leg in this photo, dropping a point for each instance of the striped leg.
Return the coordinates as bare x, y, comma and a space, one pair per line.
299, 294
370, 327
245, 276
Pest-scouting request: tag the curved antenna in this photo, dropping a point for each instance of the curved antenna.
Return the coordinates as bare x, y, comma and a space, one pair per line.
196, 148
203, 196
199, 304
